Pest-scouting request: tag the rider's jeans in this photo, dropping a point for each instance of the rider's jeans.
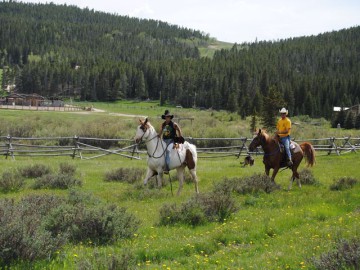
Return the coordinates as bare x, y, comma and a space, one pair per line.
167, 152
286, 142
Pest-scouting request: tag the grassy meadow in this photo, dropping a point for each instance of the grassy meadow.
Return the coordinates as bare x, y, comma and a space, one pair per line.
278, 230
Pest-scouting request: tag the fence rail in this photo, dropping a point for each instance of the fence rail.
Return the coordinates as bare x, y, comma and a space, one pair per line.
89, 148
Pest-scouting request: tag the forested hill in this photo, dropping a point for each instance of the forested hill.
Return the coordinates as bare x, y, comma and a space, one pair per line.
84, 35
59, 50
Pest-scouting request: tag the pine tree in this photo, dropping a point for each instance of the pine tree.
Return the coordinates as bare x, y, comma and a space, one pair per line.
349, 121
253, 122
357, 122
271, 106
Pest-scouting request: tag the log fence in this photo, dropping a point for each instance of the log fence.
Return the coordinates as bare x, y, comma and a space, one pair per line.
87, 148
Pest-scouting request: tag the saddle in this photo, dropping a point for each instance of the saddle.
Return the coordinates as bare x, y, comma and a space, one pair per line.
179, 140
293, 147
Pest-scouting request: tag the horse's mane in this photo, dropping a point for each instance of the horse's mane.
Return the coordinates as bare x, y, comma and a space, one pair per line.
267, 137
264, 133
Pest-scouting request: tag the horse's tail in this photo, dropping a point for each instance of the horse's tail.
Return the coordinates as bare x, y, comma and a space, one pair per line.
191, 155
309, 153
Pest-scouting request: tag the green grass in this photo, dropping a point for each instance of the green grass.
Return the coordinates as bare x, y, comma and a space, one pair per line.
280, 230
213, 46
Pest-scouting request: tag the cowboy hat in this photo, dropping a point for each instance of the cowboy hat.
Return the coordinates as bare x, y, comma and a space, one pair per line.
283, 110
167, 113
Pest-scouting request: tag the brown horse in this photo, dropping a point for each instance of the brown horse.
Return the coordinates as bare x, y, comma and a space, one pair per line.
275, 159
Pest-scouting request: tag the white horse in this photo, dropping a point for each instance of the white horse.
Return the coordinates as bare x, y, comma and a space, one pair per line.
184, 156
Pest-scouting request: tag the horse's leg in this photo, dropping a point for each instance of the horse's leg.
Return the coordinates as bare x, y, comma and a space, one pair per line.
150, 173
195, 179
275, 171
267, 170
291, 182
295, 175
159, 177
180, 175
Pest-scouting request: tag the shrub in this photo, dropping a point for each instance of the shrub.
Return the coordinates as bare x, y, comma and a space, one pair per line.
34, 171
217, 206
10, 182
247, 185
193, 213
307, 177
199, 210
101, 224
67, 168
343, 183
169, 214
38, 226
129, 175
22, 237
53, 181
98, 260
345, 256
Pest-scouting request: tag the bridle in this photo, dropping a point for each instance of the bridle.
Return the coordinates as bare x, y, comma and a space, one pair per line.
261, 142
144, 129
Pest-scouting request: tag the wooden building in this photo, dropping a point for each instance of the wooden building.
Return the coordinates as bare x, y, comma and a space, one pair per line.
24, 99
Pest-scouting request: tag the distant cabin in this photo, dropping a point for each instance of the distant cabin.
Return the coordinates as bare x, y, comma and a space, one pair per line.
24, 99
355, 110
35, 100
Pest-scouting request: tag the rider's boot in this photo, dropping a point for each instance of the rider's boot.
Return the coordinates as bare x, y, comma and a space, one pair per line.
166, 170
289, 162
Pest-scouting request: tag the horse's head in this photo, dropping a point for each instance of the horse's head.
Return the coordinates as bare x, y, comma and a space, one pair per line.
258, 140
142, 131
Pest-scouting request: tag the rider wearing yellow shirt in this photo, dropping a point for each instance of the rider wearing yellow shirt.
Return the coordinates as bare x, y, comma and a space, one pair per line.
283, 129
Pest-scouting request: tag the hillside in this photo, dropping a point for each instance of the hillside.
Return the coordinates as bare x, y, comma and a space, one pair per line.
66, 51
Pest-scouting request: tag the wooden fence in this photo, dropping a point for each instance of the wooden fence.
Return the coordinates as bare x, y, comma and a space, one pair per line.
90, 148
66, 108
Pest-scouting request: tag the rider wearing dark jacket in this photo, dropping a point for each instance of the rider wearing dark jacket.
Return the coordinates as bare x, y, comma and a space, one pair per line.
168, 132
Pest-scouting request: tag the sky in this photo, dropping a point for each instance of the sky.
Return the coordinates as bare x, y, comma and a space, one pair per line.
237, 21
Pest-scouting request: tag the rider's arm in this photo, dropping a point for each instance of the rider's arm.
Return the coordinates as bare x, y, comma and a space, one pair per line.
283, 132
160, 132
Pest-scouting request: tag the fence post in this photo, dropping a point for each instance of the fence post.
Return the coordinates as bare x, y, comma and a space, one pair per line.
10, 150
76, 147
347, 139
333, 146
243, 146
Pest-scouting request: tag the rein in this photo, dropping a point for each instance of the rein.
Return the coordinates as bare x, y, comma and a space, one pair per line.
157, 145
272, 153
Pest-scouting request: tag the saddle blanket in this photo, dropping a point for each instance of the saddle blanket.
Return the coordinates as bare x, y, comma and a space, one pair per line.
294, 147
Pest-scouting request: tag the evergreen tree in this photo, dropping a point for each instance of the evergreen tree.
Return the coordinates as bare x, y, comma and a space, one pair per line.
253, 122
357, 122
349, 120
272, 103
232, 104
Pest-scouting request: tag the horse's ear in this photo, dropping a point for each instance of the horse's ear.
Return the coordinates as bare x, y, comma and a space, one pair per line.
259, 131
146, 120
140, 121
